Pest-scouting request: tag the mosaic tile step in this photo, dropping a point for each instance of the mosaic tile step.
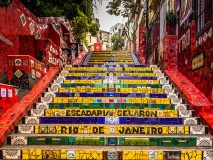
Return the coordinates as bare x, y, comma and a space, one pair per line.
109, 66
105, 153
80, 58
110, 120
115, 85
127, 140
113, 77
112, 81
104, 89
110, 129
110, 62
109, 94
63, 74
112, 66
111, 112
106, 100
110, 106
108, 71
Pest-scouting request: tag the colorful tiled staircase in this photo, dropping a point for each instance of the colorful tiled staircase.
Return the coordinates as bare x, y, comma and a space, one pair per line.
110, 110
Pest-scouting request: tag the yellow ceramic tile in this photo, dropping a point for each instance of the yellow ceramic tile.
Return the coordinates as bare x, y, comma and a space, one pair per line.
51, 154
160, 155
32, 154
191, 155
89, 154
186, 130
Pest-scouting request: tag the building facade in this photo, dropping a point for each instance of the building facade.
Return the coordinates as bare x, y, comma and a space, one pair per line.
104, 37
179, 37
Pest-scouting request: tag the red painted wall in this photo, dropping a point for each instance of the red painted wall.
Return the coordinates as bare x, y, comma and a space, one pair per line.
170, 52
142, 44
19, 38
189, 47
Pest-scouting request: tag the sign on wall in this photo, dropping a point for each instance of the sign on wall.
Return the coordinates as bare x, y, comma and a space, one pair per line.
198, 61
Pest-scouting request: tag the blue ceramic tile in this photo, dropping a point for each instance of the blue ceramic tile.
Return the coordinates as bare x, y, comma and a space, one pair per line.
101, 120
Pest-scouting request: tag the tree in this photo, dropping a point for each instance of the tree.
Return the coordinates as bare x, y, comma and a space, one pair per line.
116, 41
93, 29
120, 7
80, 26
68, 8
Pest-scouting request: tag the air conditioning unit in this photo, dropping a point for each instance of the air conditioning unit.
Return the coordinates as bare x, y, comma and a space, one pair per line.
4, 3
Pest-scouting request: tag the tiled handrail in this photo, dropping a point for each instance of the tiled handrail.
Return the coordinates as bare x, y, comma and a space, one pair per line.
80, 58
135, 58
13, 115
195, 97
87, 58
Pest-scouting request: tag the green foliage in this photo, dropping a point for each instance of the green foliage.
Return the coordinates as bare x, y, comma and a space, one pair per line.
134, 34
117, 41
93, 29
68, 8
79, 12
171, 17
80, 26
120, 7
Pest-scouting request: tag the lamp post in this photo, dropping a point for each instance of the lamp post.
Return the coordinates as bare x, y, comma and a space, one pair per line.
147, 29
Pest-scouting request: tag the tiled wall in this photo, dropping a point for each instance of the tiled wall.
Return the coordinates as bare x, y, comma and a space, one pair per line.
19, 28
195, 58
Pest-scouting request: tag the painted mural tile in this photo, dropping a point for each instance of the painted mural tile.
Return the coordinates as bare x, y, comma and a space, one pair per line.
32, 154
133, 155
153, 155
89, 154
204, 141
190, 121
112, 155
31, 120
185, 113
51, 154
11, 63
112, 141
19, 140
25, 129
71, 154
198, 129
11, 154
172, 155
207, 155
112, 120
41, 106
36, 112
191, 154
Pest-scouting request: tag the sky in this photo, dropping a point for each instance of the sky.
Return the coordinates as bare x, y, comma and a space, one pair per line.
106, 20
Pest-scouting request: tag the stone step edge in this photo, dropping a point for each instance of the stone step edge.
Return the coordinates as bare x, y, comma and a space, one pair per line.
186, 106
152, 113
160, 141
112, 129
110, 135
102, 148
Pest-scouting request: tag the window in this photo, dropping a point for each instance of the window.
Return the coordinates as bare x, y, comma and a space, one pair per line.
202, 13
